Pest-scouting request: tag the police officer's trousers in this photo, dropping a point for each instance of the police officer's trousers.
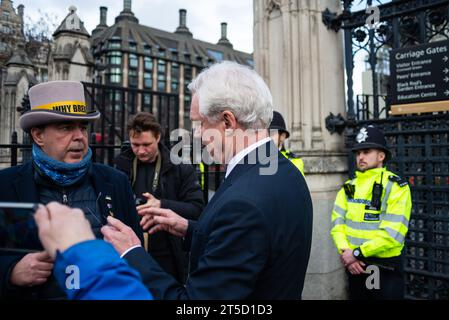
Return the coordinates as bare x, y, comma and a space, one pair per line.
391, 282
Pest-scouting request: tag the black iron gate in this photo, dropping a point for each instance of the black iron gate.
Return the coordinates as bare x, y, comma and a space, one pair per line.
419, 143
116, 104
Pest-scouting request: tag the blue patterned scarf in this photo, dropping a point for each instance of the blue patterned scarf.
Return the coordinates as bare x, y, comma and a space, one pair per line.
61, 173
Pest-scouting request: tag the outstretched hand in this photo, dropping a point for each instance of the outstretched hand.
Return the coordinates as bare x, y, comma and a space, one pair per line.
152, 201
119, 235
156, 219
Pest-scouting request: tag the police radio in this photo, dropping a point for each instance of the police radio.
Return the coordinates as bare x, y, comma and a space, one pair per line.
376, 195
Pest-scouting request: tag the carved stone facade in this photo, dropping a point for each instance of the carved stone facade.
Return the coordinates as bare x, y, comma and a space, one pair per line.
290, 37
19, 75
16, 70
71, 58
302, 62
24, 63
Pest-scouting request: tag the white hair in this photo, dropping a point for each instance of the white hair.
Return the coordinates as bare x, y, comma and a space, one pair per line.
237, 88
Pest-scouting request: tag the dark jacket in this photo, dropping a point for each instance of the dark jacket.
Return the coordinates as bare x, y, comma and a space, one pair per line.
80, 195
179, 190
18, 184
252, 240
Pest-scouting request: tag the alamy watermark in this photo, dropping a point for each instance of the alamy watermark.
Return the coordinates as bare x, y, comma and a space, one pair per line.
373, 18
219, 147
372, 282
72, 282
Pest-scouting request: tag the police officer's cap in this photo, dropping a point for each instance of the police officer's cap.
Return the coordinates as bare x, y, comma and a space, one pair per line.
371, 137
278, 123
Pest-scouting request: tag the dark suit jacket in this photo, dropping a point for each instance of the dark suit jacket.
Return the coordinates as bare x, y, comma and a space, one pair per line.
17, 184
252, 241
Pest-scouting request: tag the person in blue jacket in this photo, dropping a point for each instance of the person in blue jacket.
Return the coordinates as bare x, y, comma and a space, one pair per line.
85, 268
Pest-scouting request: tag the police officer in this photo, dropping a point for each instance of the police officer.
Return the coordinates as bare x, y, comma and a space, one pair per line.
279, 134
370, 221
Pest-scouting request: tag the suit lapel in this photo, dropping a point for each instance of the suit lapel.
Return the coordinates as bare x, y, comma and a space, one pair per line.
242, 168
221, 189
105, 191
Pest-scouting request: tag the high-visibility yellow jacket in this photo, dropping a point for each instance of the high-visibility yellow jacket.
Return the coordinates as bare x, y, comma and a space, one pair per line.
294, 159
201, 166
378, 233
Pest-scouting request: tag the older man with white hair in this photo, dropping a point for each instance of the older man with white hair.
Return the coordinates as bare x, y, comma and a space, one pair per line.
253, 239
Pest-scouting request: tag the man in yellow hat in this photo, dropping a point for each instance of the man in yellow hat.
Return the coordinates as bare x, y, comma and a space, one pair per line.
61, 170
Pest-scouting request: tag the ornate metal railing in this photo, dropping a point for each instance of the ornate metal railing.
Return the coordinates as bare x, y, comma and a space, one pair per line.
419, 143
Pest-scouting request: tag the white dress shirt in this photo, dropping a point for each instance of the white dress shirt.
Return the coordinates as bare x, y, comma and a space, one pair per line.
129, 249
239, 156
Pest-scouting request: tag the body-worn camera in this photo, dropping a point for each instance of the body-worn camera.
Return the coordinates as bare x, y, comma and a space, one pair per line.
376, 197
349, 190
